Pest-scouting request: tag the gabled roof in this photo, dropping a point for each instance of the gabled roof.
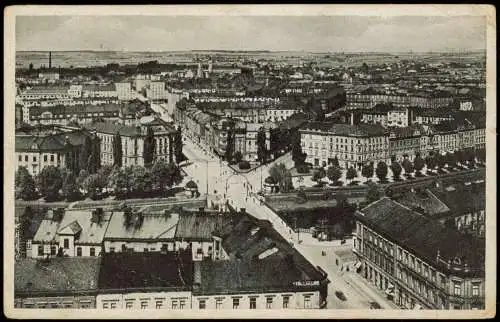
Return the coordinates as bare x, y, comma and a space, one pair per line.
198, 226
153, 227
71, 229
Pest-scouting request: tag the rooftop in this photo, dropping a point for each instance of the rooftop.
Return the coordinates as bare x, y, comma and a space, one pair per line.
59, 274
423, 236
199, 226
154, 226
356, 130
142, 270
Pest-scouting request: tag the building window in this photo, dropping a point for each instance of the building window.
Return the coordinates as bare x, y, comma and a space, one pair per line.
129, 305
253, 303
26, 158
269, 303
79, 251
144, 305
182, 304
92, 251
51, 158
286, 301
236, 303
113, 305
40, 250
174, 304
34, 158
456, 288
105, 306
202, 304
218, 303
307, 301
159, 304
112, 249
145, 250
20, 157
66, 243
53, 250
475, 289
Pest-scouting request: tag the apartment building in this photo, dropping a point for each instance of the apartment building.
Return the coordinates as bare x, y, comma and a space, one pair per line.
42, 146
63, 114
406, 142
45, 93
156, 280
369, 98
156, 91
352, 144
132, 138
56, 283
411, 258
70, 233
100, 91
124, 91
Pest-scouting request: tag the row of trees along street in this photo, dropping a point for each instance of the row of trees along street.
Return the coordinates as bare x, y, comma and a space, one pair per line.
133, 181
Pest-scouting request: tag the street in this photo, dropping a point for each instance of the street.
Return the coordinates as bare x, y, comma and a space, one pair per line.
240, 191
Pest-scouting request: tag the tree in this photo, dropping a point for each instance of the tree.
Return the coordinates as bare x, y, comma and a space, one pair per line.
230, 145
50, 182
334, 173
318, 174
396, 170
373, 193
25, 222
461, 156
381, 171
430, 162
81, 177
335, 162
451, 161
25, 184
408, 166
481, 154
281, 176
351, 173
261, 146
95, 157
117, 150
149, 147
418, 164
31, 66
440, 160
165, 175
298, 156
70, 190
367, 171
141, 181
85, 154
238, 156
120, 181
471, 157
93, 185
178, 145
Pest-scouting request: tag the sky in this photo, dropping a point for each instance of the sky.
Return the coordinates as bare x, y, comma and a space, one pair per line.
274, 33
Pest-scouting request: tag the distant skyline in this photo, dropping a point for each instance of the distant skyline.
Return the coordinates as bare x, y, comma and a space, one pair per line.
252, 33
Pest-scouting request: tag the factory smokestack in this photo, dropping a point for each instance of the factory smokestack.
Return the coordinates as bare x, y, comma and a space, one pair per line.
50, 59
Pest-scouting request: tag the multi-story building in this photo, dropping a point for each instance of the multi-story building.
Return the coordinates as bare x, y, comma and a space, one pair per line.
124, 91
45, 93
406, 142
411, 258
108, 90
369, 98
353, 144
430, 116
132, 138
156, 91
157, 280
70, 234
56, 283
42, 146
81, 114
279, 113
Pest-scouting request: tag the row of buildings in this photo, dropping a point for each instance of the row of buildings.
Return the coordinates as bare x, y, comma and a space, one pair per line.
356, 144
246, 265
43, 145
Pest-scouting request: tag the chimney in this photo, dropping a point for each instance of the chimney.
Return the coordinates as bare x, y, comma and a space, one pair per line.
58, 214
50, 59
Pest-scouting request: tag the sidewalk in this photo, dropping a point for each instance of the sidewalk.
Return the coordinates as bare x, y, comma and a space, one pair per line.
370, 290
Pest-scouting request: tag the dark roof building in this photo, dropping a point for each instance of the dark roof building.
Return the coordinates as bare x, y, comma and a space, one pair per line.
146, 271
355, 130
425, 237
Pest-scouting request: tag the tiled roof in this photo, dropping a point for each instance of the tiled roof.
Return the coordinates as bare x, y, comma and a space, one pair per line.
356, 130
49, 142
79, 222
113, 128
139, 270
157, 227
422, 235
423, 199
77, 109
198, 226
463, 198
59, 274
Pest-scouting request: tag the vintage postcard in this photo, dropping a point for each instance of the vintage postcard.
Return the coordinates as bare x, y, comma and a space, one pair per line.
257, 161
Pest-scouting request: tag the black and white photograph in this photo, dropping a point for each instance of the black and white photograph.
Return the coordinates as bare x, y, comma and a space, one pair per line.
235, 161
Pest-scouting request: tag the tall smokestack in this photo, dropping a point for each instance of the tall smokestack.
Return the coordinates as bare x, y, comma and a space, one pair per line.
50, 59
